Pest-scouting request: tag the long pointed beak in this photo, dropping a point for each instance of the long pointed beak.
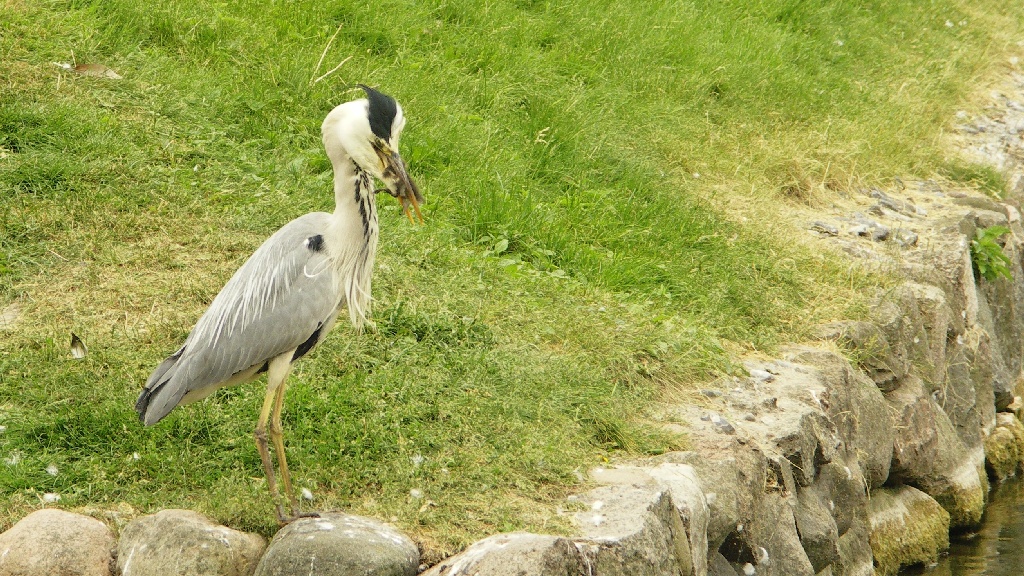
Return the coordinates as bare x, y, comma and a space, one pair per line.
399, 184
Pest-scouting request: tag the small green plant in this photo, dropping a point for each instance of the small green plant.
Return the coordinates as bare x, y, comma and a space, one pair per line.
987, 254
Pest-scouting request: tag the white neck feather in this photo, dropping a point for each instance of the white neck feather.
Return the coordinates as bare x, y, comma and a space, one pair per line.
355, 235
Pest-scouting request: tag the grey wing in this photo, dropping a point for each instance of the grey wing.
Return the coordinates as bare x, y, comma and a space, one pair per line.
278, 301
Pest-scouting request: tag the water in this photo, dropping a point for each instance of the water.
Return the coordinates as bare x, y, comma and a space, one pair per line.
997, 548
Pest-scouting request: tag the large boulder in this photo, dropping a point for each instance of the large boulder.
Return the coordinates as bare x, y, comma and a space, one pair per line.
959, 397
775, 542
726, 477
514, 555
898, 315
817, 528
978, 352
908, 527
691, 504
186, 543
803, 436
687, 496
843, 488
994, 306
855, 556
884, 361
53, 542
632, 530
787, 420
929, 455
1002, 454
1004, 448
338, 544
856, 408
939, 327
1001, 313
947, 264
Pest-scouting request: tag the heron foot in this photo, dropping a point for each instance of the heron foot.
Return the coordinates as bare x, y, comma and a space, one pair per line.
296, 514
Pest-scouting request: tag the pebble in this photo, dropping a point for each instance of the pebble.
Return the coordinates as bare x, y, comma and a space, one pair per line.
901, 206
860, 230
906, 239
722, 424
824, 228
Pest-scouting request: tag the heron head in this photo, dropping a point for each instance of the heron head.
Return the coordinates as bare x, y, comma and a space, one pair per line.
368, 131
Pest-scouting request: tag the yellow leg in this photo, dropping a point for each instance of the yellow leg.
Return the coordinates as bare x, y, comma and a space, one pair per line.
277, 372
277, 436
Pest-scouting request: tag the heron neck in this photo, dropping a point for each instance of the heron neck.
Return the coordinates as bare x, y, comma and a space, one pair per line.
355, 235
353, 193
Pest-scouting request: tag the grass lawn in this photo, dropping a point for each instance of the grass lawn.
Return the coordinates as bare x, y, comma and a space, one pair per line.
607, 185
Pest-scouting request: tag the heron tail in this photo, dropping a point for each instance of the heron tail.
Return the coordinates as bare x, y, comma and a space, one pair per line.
159, 396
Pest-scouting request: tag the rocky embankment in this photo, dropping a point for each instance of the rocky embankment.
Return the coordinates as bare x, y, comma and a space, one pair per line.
816, 463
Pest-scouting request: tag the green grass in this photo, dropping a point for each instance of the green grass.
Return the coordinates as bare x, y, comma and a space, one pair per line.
573, 272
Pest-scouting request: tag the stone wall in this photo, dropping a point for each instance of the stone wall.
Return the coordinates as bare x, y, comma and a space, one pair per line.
857, 454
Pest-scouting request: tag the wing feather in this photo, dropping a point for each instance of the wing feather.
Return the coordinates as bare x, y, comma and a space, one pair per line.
282, 294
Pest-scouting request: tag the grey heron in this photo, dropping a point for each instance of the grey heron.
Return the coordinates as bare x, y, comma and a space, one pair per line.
285, 298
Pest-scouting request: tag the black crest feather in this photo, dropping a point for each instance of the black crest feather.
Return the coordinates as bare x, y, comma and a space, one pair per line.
383, 110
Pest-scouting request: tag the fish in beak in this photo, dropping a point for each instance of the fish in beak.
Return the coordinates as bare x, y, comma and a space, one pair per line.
397, 180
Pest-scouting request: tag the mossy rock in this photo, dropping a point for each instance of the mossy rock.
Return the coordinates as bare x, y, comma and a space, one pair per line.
964, 499
908, 527
1002, 455
1011, 423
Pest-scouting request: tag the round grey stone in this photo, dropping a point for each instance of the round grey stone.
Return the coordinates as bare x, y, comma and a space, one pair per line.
57, 543
183, 542
338, 544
